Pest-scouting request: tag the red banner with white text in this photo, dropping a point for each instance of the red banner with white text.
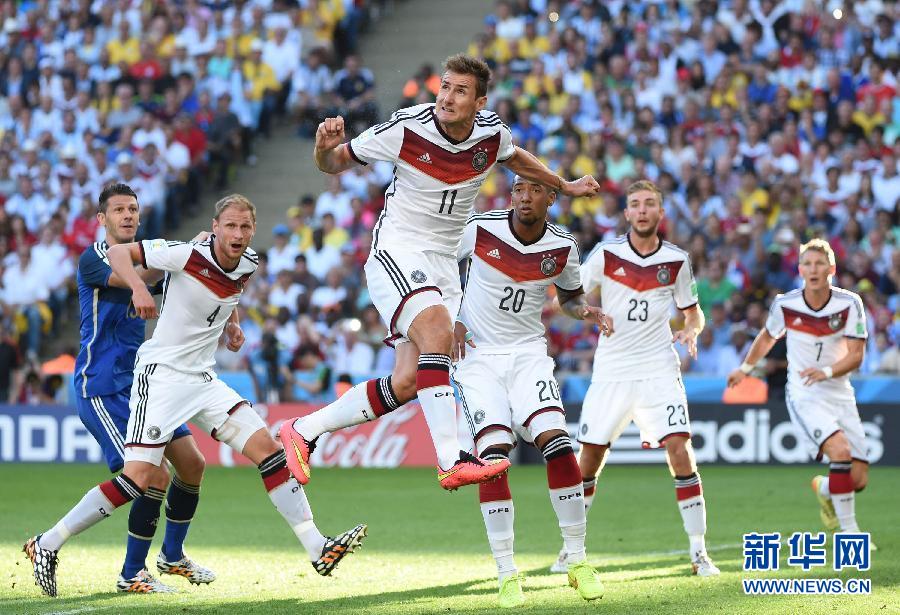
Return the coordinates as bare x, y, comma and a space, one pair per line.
400, 438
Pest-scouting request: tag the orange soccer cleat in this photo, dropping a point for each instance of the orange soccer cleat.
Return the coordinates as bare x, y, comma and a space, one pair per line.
469, 470
296, 451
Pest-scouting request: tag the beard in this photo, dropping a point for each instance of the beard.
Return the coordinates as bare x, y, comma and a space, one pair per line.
650, 232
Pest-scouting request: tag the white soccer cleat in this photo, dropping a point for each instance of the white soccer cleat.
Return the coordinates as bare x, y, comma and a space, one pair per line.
561, 565
143, 583
703, 566
185, 567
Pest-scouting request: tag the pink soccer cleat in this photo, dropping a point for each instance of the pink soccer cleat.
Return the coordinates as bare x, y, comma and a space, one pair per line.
296, 451
469, 470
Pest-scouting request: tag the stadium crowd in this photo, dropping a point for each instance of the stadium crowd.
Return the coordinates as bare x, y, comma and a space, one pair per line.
168, 97
765, 124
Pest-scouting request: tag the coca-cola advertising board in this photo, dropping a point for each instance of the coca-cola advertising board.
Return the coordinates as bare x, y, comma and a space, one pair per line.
400, 438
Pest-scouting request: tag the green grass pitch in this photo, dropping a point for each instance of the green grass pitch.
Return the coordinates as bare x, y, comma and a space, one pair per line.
427, 553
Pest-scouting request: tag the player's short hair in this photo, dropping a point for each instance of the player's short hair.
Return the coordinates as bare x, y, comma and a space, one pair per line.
819, 245
644, 184
238, 201
111, 191
463, 64
518, 179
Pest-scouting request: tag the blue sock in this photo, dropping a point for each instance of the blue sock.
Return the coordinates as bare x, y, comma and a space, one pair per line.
181, 504
141, 526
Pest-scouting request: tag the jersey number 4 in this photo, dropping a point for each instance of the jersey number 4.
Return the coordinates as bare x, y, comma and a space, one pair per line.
212, 317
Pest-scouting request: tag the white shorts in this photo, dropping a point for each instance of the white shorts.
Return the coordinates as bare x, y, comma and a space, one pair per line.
404, 283
509, 394
162, 399
658, 406
817, 420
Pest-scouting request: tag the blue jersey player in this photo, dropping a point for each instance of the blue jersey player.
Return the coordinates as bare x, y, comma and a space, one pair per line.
111, 333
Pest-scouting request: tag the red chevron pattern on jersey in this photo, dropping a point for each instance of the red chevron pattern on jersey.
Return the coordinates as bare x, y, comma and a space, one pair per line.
820, 326
445, 166
520, 266
638, 277
212, 278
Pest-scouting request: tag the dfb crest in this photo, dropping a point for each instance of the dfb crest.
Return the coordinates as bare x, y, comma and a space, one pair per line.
548, 266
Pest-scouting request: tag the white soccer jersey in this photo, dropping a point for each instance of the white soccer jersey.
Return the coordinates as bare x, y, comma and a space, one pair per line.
637, 291
436, 178
815, 338
508, 280
198, 298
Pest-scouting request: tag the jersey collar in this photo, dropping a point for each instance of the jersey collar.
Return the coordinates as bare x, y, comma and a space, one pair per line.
512, 230
440, 129
212, 250
633, 249
827, 301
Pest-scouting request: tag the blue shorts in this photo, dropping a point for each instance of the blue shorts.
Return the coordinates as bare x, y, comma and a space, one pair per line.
106, 417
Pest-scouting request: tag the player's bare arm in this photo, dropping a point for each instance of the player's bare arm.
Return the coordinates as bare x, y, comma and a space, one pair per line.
856, 351
527, 165
122, 259
573, 303
758, 349
234, 335
462, 337
331, 152
694, 321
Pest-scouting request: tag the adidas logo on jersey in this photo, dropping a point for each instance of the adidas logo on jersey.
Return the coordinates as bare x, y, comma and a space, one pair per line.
620, 271
424, 158
204, 272
797, 321
495, 253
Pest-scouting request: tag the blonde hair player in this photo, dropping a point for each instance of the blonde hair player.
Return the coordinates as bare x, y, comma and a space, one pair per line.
637, 373
442, 152
174, 380
826, 341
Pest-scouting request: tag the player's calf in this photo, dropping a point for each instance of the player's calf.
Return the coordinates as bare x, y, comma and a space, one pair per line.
498, 513
566, 492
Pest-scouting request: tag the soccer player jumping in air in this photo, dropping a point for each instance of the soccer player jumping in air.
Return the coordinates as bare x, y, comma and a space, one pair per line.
826, 341
111, 333
637, 374
506, 380
175, 382
442, 153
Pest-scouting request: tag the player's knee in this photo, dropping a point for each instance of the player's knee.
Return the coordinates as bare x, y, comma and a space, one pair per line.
680, 457
496, 452
160, 478
431, 330
190, 470
403, 383
590, 458
140, 474
554, 443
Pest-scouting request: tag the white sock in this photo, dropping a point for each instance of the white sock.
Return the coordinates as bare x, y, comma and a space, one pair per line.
90, 510
693, 515
568, 504
845, 508
498, 521
351, 408
290, 501
439, 406
823, 488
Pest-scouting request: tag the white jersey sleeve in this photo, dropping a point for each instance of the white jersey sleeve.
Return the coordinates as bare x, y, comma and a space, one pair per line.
686, 287
570, 278
856, 320
507, 147
379, 142
467, 245
592, 271
164, 255
775, 321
